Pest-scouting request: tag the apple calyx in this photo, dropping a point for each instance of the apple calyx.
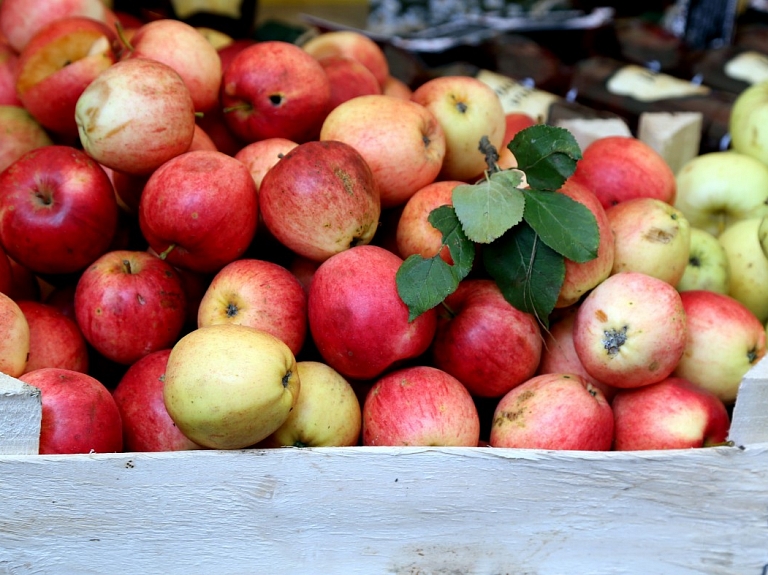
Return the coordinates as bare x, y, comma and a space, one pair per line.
287, 378
613, 340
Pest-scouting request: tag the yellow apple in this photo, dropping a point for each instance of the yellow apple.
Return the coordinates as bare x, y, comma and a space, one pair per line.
14, 344
748, 265
707, 267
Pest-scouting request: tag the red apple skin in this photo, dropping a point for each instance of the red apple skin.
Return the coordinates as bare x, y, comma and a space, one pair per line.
553, 411
58, 211
6, 273
139, 397
21, 134
202, 141
671, 414
485, 342
228, 52
129, 304
214, 124
79, 413
128, 189
63, 299
259, 294
319, 225
513, 123
183, 48
580, 278
274, 89
397, 88
25, 283
55, 340
259, 157
304, 269
57, 65
353, 45
8, 61
203, 206
414, 234
617, 168
356, 317
420, 405
348, 78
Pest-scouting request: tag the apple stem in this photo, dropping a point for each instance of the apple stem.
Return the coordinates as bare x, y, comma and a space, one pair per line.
199, 115
236, 107
165, 253
127, 266
491, 154
448, 309
121, 36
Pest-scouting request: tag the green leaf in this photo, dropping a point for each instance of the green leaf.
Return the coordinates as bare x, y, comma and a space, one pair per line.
565, 225
546, 154
528, 272
423, 283
490, 207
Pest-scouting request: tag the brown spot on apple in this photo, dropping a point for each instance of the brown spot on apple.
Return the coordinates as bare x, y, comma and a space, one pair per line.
654, 365
346, 181
659, 236
601, 315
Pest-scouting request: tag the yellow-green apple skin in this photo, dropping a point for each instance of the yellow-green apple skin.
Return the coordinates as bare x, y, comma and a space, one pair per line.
748, 265
749, 122
229, 386
707, 267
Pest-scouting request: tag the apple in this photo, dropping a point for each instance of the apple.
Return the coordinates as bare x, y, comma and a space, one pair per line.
215, 126
327, 412
202, 141
62, 298
14, 345
135, 116
420, 405
630, 330
353, 45
708, 266
617, 168
79, 413
8, 62
129, 304
515, 122
414, 234
228, 52
651, 237
139, 397
467, 109
187, 51
484, 341
320, 199
57, 65
57, 211
748, 115
356, 317
6, 274
401, 141
216, 38
199, 211
230, 386
21, 134
348, 79
725, 340
748, 265
580, 278
273, 89
25, 284
670, 414
259, 294
717, 189
304, 269
20, 20
55, 340
553, 411
393, 86
259, 157
128, 189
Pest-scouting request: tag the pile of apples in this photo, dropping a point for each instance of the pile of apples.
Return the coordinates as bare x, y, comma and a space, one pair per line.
216, 224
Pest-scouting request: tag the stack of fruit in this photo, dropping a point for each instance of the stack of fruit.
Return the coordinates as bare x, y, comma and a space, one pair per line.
211, 242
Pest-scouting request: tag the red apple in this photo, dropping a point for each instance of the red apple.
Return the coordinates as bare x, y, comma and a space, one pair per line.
202, 141
396, 87
57, 211
259, 294
304, 269
139, 397
8, 62
55, 340
630, 330
553, 411
617, 168
485, 342
128, 189
21, 134
671, 414
6, 274
320, 199
401, 140
79, 413
187, 51
273, 89
25, 284
353, 45
14, 345
62, 298
259, 157
135, 116
215, 126
348, 78
227, 53
199, 210
357, 319
57, 65
129, 304
513, 123
420, 405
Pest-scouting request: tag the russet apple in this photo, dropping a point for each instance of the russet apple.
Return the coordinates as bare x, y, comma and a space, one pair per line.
708, 267
351, 44
14, 345
21, 134
230, 386
55, 340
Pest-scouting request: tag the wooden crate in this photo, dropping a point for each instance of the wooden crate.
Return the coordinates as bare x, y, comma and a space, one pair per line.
380, 510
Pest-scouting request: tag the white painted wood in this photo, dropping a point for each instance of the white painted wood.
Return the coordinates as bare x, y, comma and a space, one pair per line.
21, 411
750, 413
381, 510
676, 136
587, 130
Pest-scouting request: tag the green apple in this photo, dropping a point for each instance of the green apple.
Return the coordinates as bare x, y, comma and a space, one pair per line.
707, 267
229, 386
748, 265
749, 122
719, 188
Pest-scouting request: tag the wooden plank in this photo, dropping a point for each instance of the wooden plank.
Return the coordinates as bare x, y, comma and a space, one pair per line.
676, 136
587, 130
750, 413
380, 510
21, 411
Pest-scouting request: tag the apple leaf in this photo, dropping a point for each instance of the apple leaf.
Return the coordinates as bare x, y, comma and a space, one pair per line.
490, 207
423, 283
565, 225
546, 154
528, 272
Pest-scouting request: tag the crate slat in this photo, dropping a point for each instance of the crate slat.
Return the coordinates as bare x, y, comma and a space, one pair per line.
21, 411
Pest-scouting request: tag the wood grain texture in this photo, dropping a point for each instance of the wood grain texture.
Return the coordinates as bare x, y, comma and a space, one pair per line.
21, 411
749, 423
